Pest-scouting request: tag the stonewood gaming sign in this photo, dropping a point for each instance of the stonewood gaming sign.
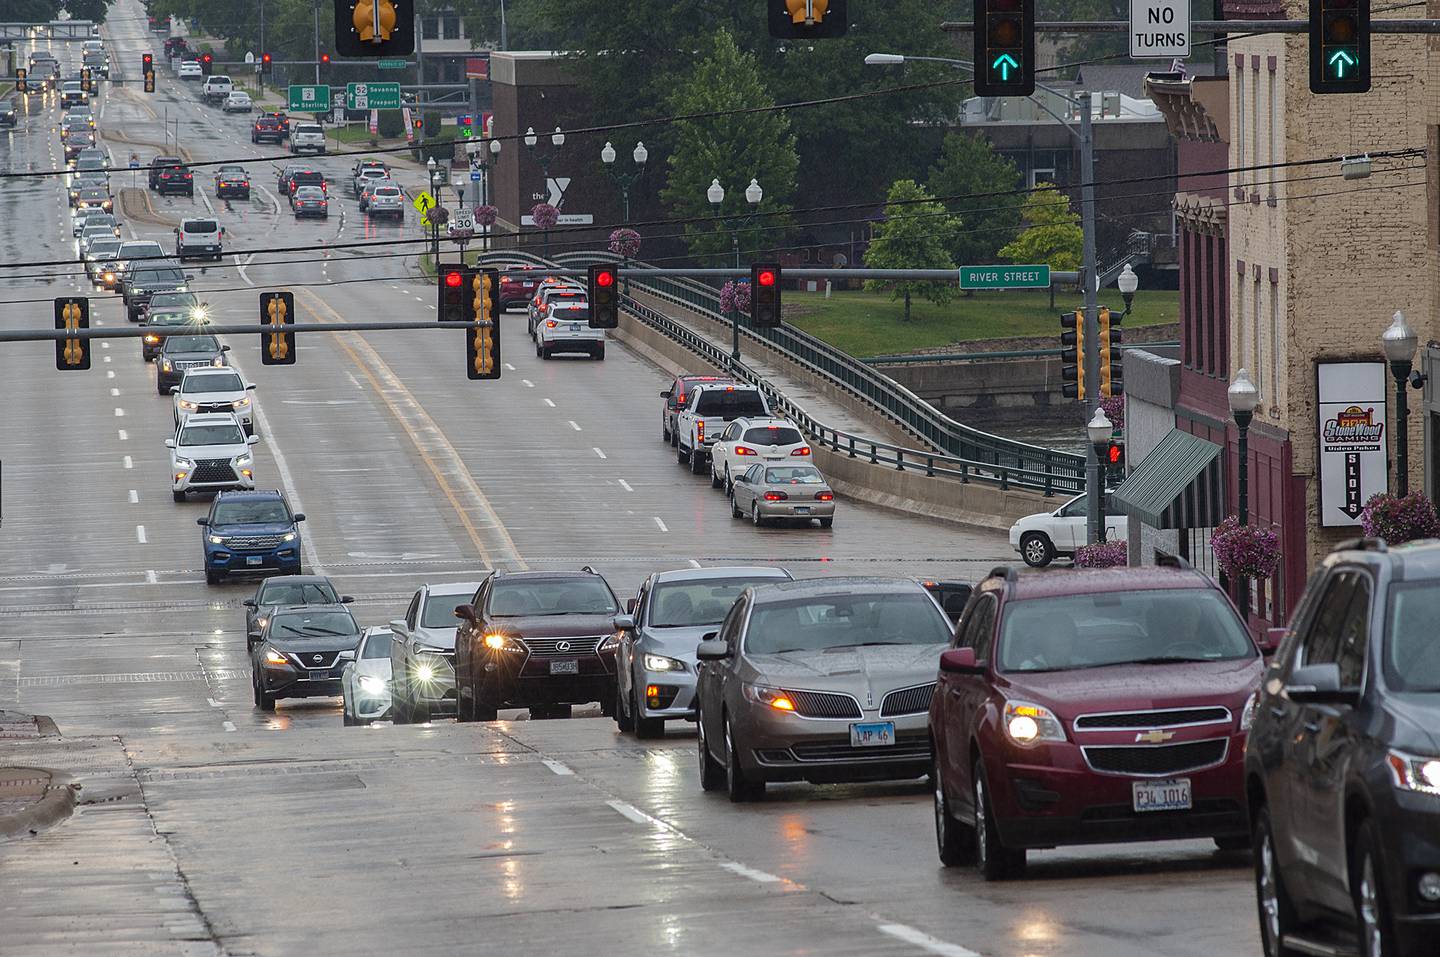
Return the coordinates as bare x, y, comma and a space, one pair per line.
1350, 420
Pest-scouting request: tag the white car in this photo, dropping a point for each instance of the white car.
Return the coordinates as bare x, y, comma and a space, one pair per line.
711, 408
422, 656
565, 327
210, 389
237, 102
367, 174
199, 238
748, 441
190, 70
557, 289
365, 682
210, 453
1044, 536
307, 137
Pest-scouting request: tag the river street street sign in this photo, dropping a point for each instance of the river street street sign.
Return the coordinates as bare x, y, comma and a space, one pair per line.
1005, 277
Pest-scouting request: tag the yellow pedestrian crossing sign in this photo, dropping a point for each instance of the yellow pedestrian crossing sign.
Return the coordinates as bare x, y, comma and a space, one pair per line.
424, 203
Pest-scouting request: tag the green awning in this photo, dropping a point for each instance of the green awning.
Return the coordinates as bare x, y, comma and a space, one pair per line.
1178, 485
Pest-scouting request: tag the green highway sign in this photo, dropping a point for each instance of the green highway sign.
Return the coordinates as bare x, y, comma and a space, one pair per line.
373, 96
309, 99
1005, 277
392, 64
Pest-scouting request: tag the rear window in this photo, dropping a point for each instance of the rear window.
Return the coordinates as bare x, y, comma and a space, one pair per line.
310, 192
730, 403
778, 435
793, 475
387, 191
200, 226
309, 129
576, 313
308, 176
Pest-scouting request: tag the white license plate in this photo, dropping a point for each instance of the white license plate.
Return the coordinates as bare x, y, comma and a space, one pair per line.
802, 510
564, 667
255, 559
576, 327
1161, 795
878, 734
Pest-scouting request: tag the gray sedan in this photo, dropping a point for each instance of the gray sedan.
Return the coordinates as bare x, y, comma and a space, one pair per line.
783, 493
823, 680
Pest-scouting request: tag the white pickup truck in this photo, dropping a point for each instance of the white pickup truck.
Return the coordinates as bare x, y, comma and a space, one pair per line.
216, 88
705, 416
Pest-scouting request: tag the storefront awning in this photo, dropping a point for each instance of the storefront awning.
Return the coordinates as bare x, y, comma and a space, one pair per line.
1178, 485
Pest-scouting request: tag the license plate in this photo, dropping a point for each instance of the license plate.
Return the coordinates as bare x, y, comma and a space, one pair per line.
255, 559
802, 510
322, 675
576, 327
564, 667
879, 734
1161, 795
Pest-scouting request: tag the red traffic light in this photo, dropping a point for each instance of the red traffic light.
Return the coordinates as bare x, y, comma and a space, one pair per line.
147, 59
766, 277
325, 58
1117, 452
207, 58
265, 58
604, 278
453, 279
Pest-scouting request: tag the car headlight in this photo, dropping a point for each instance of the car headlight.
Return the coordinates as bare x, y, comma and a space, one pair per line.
216, 540
187, 404
1027, 724
662, 663
770, 697
262, 621
1247, 713
218, 361
242, 460
424, 672
240, 403
273, 657
1409, 772
497, 641
610, 644
288, 537
184, 463
165, 364
151, 338
372, 684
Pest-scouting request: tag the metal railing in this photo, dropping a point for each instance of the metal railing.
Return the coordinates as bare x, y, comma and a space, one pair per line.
959, 450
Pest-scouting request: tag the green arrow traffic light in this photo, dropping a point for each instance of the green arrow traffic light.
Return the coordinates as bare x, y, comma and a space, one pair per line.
1005, 63
1341, 59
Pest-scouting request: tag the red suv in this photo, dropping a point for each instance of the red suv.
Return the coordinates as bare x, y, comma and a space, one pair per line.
1091, 706
517, 285
267, 126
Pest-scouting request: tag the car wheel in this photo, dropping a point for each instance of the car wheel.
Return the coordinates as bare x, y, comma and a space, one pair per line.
1037, 549
179, 496
346, 720
697, 462
464, 707
1372, 910
399, 714
755, 514
544, 352
993, 859
738, 784
1277, 913
212, 578
827, 522
624, 717
716, 481
681, 455
537, 350
664, 432
735, 507
1233, 842
712, 775
420, 714
955, 843
600, 354
264, 699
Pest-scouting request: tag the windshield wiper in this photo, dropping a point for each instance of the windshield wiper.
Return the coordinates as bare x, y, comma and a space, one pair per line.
312, 632
1163, 660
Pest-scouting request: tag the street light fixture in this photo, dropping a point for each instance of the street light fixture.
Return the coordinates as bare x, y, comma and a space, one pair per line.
1100, 430
530, 138
1400, 341
754, 195
1243, 397
624, 180
437, 177
1127, 282
481, 162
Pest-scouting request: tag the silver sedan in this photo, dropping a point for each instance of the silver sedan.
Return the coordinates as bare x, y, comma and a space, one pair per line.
365, 683
768, 493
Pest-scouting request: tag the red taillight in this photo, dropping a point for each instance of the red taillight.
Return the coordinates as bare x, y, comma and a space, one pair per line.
700, 430
246, 183
824, 496
549, 323
744, 450
802, 450
775, 496
680, 399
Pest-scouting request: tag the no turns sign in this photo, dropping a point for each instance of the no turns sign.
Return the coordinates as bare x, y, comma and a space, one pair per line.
1159, 29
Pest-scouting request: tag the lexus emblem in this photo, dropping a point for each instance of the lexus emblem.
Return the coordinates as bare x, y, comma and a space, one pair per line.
318, 658
562, 646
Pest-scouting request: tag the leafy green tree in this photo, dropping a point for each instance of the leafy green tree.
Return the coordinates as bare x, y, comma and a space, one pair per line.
968, 166
915, 235
30, 11
93, 10
1052, 231
732, 149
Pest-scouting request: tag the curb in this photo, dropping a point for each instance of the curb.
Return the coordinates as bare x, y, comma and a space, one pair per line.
56, 805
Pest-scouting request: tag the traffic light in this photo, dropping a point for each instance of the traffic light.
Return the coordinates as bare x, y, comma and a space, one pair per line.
375, 28
604, 289
1004, 47
482, 346
85, 85
1072, 354
277, 310
207, 63
808, 19
1114, 464
451, 307
1111, 381
265, 62
22, 85
147, 71
1339, 46
765, 295
324, 59
72, 314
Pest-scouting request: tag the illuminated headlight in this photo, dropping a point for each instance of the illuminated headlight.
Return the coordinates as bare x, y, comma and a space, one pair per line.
242, 460
216, 540
218, 361
610, 644
152, 338
273, 657
109, 277
289, 537
262, 621
1028, 724
496, 641
424, 672
661, 663
186, 404
165, 364
371, 684
240, 403
770, 697
1247, 713
199, 315
1409, 772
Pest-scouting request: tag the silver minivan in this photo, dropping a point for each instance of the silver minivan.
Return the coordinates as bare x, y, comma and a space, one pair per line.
198, 238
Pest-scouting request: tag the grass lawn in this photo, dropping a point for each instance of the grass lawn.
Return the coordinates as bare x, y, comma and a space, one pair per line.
872, 324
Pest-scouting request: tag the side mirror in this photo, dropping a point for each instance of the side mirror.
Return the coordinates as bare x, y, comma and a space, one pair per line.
712, 650
397, 625
623, 622
252, 440
250, 387
1269, 643
174, 390
189, 277
1319, 684
960, 661
299, 516
224, 348
465, 612
346, 599
665, 394
169, 443
248, 603
630, 604
202, 521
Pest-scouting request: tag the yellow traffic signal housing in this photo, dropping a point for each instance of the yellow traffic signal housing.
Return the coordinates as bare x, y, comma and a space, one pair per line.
22, 85
375, 28
71, 315
1111, 336
808, 19
482, 346
1072, 354
277, 344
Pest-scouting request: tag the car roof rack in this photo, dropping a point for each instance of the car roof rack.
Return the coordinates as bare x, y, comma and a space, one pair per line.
1166, 560
1362, 545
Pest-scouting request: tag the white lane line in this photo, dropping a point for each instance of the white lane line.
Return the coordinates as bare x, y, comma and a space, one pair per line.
241, 269
104, 344
660, 523
575, 425
107, 358
109, 373
550, 403
140, 534
694, 563
129, 464
759, 877
212, 702
124, 436
631, 812
510, 367
599, 453
528, 383
119, 412
625, 485
924, 941
134, 497
114, 392
228, 725
307, 542
151, 578
558, 768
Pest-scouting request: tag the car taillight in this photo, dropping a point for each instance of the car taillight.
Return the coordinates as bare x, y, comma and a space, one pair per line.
802, 450
824, 496
245, 183
744, 450
700, 430
549, 323
775, 496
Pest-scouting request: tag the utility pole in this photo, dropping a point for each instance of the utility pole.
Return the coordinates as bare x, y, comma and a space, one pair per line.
419, 57
477, 131
317, 43
504, 32
260, 63
1090, 276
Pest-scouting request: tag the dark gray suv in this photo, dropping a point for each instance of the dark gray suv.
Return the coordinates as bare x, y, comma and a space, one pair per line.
181, 352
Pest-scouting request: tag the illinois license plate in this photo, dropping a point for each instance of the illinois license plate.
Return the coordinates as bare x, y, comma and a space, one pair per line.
564, 667
1171, 795
254, 559
878, 734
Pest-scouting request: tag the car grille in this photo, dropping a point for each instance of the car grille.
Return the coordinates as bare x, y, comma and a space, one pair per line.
253, 542
908, 701
1171, 718
550, 647
822, 704
1163, 759
912, 748
209, 407
314, 660
212, 470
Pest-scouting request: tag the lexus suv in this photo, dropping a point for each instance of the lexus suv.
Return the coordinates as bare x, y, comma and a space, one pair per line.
302, 653
538, 640
1343, 769
210, 452
422, 657
251, 531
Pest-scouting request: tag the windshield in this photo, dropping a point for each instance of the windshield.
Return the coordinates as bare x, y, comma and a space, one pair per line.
266, 511
845, 621
439, 611
192, 344
164, 299
144, 276
579, 596
221, 434
103, 248
173, 317
1117, 628
320, 624
377, 645
793, 475
730, 404
773, 435
229, 382
200, 226
297, 593
1412, 655
691, 604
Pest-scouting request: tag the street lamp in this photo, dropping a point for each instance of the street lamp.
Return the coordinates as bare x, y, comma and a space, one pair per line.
1100, 430
480, 162
557, 140
754, 195
1127, 282
1243, 397
437, 178
1400, 341
622, 179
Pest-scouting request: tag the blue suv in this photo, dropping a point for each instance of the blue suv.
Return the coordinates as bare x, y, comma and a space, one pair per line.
250, 531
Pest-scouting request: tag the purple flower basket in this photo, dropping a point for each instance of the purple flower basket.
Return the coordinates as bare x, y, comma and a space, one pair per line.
1102, 555
1246, 551
1400, 519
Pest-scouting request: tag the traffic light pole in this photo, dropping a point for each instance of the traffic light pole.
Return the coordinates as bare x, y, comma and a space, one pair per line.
1089, 275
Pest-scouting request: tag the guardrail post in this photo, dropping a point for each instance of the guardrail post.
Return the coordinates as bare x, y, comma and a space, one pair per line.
930, 466
1049, 476
874, 452
899, 460
1004, 478
852, 446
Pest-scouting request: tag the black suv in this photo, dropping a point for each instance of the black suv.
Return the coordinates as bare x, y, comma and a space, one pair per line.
1342, 768
172, 179
302, 652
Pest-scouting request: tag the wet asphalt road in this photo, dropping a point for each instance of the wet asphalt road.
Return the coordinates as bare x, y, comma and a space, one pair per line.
212, 828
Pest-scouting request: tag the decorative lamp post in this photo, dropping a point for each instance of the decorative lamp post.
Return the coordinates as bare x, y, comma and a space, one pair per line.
1243, 397
1127, 282
754, 195
482, 158
1400, 341
437, 178
624, 180
1099, 430
531, 140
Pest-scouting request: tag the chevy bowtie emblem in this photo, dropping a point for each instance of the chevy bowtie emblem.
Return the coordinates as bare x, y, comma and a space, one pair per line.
562, 646
1154, 737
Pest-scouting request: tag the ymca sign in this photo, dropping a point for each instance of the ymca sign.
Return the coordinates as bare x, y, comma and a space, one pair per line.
1159, 29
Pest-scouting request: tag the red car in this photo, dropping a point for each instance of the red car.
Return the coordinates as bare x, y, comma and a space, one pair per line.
1091, 706
517, 285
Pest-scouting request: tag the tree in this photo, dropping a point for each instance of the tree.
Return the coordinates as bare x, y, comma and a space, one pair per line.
968, 166
93, 10
915, 235
732, 149
30, 11
1052, 232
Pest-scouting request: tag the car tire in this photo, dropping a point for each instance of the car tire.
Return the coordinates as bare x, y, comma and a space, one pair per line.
827, 522
464, 707
1233, 842
1036, 549
696, 462
735, 508
712, 774
600, 354
646, 729
544, 353
537, 349
993, 859
420, 714
346, 720
681, 455
738, 785
264, 700
212, 578
178, 496
1276, 911
624, 719
1367, 889
664, 432
755, 515
953, 840
716, 481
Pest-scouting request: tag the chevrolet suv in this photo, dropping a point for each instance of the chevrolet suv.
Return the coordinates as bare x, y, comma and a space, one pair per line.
250, 531
1342, 773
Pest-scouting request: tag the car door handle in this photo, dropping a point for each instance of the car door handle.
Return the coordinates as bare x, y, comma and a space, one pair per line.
1277, 711
1312, 726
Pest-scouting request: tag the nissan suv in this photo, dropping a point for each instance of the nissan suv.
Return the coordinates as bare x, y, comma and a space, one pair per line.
302, 653
1342, 773
250, 531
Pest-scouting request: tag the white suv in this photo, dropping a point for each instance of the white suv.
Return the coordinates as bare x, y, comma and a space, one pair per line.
211, 389
1041, 537
748, 441
210, 453
386, 200
565, 327
307, 137
710, 409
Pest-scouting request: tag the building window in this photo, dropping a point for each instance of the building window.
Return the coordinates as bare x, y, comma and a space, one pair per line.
1239, 115
1255, 136
1257, 366
1275, 347
1271, 175
430, 28
452, 27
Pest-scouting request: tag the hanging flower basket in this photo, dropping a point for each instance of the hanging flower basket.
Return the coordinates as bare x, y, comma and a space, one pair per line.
736, 296
486, 215
1114, 407
1102, 555
1400, 519
625, 242
545, 215
1246, 551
